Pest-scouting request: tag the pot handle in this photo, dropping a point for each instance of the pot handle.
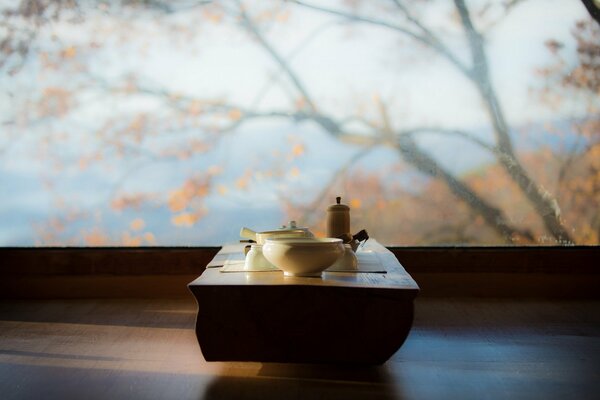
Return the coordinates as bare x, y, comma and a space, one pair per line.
248, 233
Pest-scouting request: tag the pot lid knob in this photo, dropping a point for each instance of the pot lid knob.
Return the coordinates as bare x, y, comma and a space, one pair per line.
338, 206
291, 225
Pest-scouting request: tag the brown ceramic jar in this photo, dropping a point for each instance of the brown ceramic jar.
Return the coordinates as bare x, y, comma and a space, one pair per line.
338, 221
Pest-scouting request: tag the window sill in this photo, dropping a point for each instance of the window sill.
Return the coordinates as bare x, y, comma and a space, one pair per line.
554, 272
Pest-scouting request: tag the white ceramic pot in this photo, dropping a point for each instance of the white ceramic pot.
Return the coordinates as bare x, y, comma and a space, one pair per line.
348, 261
290, 231
303, 256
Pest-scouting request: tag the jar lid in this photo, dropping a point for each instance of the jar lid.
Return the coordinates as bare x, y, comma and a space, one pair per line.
338, 206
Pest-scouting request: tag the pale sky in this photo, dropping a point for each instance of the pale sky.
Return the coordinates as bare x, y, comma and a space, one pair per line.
343, 67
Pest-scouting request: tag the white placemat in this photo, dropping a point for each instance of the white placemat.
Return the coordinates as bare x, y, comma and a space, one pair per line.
238, 266
228, 252
367, 262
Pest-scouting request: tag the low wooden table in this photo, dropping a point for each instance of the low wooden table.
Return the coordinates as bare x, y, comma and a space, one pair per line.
357, 318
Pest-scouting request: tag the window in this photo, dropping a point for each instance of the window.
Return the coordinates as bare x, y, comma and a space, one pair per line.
178, 122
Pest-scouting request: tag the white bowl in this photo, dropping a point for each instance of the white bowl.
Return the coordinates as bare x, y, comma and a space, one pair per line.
256, 261
303, 256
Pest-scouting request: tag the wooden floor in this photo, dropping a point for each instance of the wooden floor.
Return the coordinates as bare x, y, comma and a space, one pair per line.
146, 349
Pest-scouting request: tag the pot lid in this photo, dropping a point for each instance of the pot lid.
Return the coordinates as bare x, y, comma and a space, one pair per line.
338, 206
291, 226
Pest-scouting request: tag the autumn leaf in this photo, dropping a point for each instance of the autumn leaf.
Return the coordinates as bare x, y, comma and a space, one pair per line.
198, 146
138, 123
222, 190
69, 52
195, 107
82, 163
129, 201
202, 191
178, 200
175, 96
213, 16
128, 240
300, 103
242, 183
298, 149
553, 45
283, 16
244, 180
95, 238
137, 224
234, 114
183, 154
149, 237
185, 219
55, 101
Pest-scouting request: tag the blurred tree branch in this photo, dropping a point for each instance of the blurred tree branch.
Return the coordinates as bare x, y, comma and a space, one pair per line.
426, 37
476, 70
593, 7
405, 144
249, 25
545, 204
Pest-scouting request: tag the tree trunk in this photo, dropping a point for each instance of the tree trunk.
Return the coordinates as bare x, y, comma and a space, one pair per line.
493, 216
543, 202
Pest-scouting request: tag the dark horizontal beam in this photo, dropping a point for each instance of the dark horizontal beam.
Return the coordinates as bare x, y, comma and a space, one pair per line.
105, 260
192, 260
531, 259
154, 272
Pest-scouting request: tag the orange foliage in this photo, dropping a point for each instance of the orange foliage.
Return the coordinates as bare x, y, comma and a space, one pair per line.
187, 200
355, 203
128, 240
137, 224
177, 200
427, 212
55, 101
192, 188
191, 148
298, 149
234, 114
96, 238
212, 14
577, 180
134, 200
300, 103
243, 181
185, 219
195, 107
222, 190
69, 52
149, 237
283, 16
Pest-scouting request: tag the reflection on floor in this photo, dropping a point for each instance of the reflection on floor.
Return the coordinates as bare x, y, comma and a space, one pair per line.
459, 348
